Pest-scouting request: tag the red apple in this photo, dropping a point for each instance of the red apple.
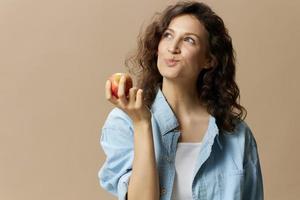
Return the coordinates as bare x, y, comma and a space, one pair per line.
115, 79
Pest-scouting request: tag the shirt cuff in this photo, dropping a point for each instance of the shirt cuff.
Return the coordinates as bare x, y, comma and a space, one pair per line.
123, 186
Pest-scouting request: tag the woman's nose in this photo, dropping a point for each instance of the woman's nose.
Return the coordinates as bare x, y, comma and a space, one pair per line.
174, 47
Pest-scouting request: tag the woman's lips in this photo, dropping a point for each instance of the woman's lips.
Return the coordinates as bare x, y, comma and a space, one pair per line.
171, 62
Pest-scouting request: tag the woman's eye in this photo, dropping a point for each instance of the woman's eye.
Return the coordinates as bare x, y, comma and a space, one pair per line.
166, 35
190, 40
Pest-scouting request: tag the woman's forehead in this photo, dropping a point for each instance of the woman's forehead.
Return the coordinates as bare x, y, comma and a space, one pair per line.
187, 23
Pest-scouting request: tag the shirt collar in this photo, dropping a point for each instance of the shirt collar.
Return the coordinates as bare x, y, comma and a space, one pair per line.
163, 113
167, 120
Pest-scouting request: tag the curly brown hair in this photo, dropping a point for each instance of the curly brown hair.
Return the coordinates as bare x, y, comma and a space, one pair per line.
216, 85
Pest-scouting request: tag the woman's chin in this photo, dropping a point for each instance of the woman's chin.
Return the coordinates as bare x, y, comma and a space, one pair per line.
170, 76
169, 73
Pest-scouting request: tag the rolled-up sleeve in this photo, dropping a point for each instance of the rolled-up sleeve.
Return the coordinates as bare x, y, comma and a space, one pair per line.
253, 181
117, 143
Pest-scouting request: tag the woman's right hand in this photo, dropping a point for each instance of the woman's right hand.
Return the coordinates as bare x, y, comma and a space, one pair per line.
133, 105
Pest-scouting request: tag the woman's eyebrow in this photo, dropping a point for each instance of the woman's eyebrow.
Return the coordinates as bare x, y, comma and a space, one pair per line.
186, 33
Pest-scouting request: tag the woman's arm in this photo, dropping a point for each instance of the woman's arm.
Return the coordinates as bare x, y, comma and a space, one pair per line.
253, 180
144, 179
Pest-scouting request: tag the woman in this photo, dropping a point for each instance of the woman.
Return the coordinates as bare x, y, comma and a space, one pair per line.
180, 133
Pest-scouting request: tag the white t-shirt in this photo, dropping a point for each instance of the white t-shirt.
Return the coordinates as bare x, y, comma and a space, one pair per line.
185, 161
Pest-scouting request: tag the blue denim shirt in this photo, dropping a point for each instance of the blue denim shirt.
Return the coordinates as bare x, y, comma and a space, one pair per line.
227, 166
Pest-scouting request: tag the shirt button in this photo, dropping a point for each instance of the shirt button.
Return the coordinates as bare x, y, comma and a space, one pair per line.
168, 159
163, 191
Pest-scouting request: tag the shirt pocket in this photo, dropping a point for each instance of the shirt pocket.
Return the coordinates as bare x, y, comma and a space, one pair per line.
231, 184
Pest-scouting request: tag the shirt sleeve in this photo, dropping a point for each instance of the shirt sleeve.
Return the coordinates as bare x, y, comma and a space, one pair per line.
117, 143
253, 181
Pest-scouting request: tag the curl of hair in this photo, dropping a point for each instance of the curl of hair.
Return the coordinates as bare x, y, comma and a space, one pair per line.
216, 86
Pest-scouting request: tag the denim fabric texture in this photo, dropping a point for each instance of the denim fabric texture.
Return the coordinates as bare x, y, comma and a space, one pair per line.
227, 167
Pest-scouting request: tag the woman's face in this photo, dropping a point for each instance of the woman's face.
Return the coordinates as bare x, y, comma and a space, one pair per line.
181, 50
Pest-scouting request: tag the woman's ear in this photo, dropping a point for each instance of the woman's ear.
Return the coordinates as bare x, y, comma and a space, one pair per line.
206, 67
211, 62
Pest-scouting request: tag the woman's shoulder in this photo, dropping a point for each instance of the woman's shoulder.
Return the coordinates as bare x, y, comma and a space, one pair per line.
241, 133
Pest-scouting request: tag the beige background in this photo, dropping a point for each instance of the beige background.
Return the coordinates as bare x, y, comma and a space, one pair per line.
56, 55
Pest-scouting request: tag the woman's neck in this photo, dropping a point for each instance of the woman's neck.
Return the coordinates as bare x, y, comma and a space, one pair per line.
183, 98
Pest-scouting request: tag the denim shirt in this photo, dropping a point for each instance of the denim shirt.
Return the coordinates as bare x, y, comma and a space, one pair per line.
227, 166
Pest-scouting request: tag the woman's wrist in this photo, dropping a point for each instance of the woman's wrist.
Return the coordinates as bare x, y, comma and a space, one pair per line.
142, 123
142, 131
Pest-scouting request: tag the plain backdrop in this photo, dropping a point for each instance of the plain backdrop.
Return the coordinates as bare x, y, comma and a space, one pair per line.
55, 57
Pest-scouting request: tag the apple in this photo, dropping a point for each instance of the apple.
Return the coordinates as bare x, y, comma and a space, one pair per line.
115, 79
